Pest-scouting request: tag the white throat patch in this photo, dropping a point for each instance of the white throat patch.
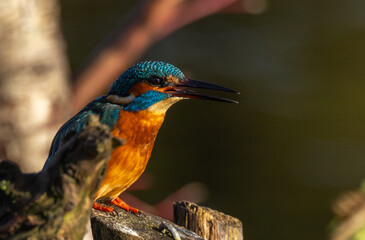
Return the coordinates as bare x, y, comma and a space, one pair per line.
162, 106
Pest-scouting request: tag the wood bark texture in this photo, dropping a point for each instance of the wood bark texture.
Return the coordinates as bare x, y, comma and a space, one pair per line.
56, 203
128, 226
207, 223
34, 90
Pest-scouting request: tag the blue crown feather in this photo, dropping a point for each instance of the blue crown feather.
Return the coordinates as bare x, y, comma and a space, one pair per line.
142, 71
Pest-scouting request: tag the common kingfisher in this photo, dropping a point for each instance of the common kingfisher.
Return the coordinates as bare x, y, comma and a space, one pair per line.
134, 109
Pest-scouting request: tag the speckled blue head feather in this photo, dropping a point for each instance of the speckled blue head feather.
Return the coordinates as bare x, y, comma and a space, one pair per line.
142, 71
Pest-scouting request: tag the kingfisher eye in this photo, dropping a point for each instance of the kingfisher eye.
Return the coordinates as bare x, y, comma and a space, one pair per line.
155, 81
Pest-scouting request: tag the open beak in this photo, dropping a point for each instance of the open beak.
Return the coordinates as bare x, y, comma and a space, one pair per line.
179, 90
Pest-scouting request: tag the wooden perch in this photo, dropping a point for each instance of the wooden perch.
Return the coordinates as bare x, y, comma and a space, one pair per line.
126, 225
56, 203
207, 223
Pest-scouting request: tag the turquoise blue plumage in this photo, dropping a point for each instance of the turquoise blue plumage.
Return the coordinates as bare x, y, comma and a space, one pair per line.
107, 112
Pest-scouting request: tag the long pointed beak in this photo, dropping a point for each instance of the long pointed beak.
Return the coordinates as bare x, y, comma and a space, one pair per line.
190, 83
200, 84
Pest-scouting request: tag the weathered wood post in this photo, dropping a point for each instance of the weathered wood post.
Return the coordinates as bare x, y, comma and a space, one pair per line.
207, 223
56, 203
129, 226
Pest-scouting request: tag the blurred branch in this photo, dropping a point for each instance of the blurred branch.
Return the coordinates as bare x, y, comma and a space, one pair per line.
154, 20
144, 226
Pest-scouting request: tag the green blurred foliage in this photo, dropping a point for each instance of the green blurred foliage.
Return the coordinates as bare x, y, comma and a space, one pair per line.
360, 234
296, 140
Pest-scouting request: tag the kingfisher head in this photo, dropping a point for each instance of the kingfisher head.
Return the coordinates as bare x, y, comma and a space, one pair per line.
155, 86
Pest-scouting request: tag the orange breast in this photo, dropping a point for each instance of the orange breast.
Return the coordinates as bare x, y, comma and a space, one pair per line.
127, 163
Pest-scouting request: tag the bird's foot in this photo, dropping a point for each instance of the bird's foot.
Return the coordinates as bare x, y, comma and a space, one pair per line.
120, 203
100, 207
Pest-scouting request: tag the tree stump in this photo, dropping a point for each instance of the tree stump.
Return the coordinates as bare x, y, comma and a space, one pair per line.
196, 220
56, 203
207, 223
129, 226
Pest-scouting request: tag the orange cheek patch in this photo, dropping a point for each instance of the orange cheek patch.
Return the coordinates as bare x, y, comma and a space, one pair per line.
141, 88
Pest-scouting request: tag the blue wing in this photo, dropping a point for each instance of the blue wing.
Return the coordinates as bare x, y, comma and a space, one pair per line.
108, 113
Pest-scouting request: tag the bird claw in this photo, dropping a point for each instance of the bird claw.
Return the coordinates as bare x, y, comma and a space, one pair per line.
114, 213
120, 203
102, 208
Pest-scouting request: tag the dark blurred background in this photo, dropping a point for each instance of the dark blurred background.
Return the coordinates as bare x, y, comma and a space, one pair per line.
296, 140
279, 158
